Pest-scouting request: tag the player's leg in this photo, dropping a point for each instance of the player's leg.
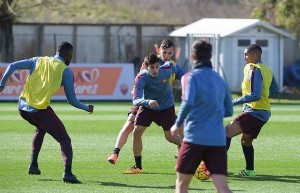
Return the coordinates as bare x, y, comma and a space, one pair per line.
137, 147
251, 127
216, 161
142, 121
177, 140
233, 129
166, 118
183, 182
49, 122
137, 142
220, 182
125, 131
248, 150
188, 160
37, 143
122, 137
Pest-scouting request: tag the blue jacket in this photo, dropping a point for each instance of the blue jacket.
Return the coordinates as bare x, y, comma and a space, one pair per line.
206, 100
158, 88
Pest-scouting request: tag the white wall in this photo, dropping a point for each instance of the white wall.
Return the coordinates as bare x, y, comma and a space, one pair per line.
92, 43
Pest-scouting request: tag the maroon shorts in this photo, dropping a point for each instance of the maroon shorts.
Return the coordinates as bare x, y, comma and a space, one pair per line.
47, 121
190, 156
165, 118
133, 110
249, 124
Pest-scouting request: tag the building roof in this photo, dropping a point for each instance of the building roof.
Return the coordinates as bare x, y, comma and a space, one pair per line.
225, 27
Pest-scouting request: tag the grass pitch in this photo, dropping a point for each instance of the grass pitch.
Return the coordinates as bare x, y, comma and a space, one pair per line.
93, 137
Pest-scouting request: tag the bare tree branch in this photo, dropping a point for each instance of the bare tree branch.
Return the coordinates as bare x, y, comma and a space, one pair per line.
6, 11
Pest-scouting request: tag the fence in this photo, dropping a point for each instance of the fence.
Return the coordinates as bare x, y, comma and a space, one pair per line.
123, 43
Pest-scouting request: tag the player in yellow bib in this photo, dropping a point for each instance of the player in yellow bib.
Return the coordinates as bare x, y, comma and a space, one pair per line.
47, 75
258, 84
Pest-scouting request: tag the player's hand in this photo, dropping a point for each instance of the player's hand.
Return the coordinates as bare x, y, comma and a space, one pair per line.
234, 101
91, 109
1, 88
153, 103
176, 131
157, 49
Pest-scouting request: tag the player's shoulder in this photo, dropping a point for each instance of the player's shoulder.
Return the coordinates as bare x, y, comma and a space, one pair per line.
188, 75
68, 72
43, 57
142, 73
35, 58
143, 66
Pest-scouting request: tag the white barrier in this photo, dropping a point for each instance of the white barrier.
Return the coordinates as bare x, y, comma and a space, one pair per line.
91, 82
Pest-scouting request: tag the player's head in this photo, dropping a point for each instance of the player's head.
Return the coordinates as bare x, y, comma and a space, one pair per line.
65, 50
166, 50
201, 50
152, 65
252, 54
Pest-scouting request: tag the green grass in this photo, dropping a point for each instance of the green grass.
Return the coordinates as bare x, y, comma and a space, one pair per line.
93, 136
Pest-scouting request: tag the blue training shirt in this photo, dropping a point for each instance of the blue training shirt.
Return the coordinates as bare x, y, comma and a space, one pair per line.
158, 88
67, 83
255, 78
206, 100
179, 70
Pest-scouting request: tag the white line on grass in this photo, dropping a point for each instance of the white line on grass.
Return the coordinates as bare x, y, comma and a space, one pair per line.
70, 108
73, 117
274, 118
278, 118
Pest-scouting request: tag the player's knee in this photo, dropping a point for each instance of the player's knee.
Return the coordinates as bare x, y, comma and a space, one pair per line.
169, 138
246, 141
64, 139
233, 129
228, 129
137, 133
173, 139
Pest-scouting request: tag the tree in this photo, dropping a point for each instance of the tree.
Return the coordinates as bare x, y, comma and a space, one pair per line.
7, 16
284, 13
109, 12
10, 10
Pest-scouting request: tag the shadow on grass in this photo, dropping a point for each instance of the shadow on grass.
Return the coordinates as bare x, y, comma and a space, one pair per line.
158, 187
141, 186
154, 173
49, 180
271, 178
115, 184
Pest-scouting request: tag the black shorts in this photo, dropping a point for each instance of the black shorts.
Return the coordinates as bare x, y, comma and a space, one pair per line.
249, 124
190, 156
165, 118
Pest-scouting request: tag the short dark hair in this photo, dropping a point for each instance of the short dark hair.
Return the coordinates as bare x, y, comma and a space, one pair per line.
151, 59
254, 48
166, 44
202, 49
64, 46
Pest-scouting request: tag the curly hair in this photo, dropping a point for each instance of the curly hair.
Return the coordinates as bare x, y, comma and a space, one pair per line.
166, 44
